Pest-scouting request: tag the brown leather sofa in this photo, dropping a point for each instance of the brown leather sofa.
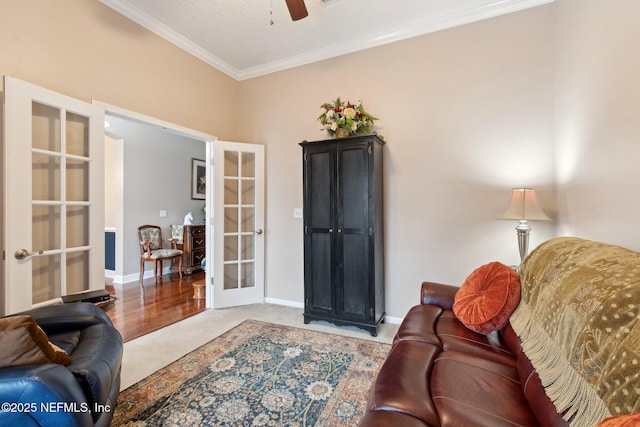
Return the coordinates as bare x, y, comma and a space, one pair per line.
439, 373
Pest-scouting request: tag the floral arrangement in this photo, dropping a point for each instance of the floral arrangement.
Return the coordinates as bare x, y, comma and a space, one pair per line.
340, 116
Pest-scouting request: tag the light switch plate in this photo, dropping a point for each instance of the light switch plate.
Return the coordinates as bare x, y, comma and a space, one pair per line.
163, 214
297, 213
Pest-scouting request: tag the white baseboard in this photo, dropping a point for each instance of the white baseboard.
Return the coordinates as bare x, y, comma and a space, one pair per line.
119, 280
296, 304
287, 303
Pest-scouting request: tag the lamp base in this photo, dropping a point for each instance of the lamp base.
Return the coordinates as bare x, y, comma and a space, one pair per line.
523, 230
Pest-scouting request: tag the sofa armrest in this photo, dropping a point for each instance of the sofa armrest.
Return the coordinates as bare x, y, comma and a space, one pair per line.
96, 361
46, 394
54, 319
438, 294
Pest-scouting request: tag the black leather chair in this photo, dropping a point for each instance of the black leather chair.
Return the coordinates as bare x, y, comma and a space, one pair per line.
83, 393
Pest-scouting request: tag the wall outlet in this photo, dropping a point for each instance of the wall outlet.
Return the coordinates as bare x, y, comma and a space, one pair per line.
297, 213
163, 214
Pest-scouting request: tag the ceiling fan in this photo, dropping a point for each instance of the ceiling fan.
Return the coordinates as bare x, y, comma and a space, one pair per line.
297, 9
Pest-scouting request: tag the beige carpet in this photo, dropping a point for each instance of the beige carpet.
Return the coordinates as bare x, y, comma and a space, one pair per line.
145, 355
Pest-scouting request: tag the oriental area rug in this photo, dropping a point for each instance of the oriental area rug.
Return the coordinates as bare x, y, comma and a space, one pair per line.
259, 374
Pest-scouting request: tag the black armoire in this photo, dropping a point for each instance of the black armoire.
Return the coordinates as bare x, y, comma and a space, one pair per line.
343, 233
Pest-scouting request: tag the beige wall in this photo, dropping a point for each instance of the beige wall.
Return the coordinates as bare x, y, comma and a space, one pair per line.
88, 51
467, 115
597, 91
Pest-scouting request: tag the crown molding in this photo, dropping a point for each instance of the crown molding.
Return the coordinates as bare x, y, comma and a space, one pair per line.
420, 27
168, 34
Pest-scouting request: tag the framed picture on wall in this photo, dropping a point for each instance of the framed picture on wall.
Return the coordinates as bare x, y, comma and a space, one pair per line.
198, 179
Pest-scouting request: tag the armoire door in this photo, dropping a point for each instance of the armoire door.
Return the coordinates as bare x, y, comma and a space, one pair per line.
319, 229
352, 239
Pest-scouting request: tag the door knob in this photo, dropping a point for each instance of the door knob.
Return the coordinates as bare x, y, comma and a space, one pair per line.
23, 253
258, 231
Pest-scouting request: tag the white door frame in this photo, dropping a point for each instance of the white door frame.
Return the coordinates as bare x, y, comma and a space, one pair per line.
189, 133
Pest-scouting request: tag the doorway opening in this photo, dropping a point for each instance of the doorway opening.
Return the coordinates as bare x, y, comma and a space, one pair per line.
148, 168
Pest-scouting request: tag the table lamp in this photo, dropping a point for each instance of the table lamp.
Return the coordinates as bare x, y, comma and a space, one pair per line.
524, 207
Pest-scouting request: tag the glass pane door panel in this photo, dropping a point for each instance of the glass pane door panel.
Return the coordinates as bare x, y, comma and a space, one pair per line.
45, 128
231, 166
248, 165
231, 191
248, 247
248, 192
45, 177
77, 180
77, 135
77, 226
77, 272
248, 275
47, 231
248, 219
230, 276
231, 248
231, 220
46, 274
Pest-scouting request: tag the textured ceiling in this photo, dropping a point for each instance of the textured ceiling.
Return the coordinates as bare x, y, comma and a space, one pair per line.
238, 38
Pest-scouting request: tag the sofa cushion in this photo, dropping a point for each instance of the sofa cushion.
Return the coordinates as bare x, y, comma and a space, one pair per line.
22, 342
473, 391
487, 298
403, 382
420, 325
455, 336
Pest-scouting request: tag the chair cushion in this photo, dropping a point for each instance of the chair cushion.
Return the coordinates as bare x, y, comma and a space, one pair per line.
23, 342
488, 297
165, 253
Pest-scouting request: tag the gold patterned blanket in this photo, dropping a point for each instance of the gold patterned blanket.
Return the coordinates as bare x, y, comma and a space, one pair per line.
578, 321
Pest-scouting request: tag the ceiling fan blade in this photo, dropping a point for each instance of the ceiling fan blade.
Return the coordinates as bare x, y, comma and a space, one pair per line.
297, 9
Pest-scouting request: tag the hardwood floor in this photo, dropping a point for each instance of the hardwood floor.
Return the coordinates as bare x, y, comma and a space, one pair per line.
139, 310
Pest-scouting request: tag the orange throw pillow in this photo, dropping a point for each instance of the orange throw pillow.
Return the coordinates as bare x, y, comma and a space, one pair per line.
488, 297
631, 420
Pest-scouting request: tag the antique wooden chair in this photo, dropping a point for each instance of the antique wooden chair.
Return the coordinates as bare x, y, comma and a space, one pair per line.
151, 250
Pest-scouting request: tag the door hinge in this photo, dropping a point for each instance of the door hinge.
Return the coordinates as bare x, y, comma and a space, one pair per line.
371, 312
305, 157
370, 231
306, 229
369, 150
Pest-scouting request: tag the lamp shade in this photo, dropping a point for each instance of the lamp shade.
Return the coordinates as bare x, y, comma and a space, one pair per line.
524, 206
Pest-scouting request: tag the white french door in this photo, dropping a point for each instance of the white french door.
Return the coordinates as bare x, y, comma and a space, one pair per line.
238, 232
54, 196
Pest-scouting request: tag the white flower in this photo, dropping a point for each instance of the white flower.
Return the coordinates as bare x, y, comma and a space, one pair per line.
330, 113
334, 126
354, 126
349, 113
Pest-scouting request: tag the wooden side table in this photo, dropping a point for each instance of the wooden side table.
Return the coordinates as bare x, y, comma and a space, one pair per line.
198, 289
